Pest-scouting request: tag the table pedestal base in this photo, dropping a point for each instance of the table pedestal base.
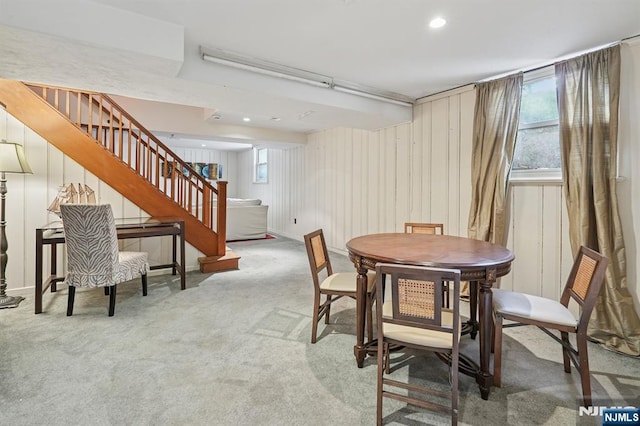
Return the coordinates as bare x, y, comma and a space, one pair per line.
470, 368
480, 263
471, 328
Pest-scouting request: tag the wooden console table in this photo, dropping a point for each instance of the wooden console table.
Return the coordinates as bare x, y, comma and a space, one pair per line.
53, 234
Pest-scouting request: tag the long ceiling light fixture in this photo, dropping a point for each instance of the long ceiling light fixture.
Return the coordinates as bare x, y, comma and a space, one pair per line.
236, 60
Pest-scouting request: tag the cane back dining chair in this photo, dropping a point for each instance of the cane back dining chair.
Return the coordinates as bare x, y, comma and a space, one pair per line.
424, 228
93, 256
333, 285
431, 229
415, 318
583, 286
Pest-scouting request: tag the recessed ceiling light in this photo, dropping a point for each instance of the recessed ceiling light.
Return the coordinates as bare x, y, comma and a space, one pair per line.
438, 22
246, 119
203, 145
276, 118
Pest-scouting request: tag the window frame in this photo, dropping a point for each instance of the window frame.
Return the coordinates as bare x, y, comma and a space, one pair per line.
257, 164
538, 175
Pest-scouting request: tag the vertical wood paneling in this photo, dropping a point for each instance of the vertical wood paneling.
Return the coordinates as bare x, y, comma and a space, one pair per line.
357, 210
439, 168
403, 177
340, 182
506, 282
453, 166
426, 142
35, 201
527, 209
551, 273
389, 161
416, 165
15, 204
55, 178
467, 106
349, 184
374, 201
327, 183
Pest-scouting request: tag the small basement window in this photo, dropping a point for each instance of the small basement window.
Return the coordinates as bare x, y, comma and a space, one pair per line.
261, 165
537, 150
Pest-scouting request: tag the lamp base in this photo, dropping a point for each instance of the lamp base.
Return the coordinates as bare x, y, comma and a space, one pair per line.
10, 301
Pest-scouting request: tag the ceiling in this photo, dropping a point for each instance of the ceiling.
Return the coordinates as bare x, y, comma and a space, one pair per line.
149, 50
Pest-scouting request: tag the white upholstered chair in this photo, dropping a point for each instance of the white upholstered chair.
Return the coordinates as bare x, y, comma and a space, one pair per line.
583, 286
93, 256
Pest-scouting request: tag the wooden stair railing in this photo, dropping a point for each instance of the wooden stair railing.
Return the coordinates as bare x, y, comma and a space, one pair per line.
156, 179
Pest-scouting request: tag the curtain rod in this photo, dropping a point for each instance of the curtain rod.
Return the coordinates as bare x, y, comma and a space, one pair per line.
527, 70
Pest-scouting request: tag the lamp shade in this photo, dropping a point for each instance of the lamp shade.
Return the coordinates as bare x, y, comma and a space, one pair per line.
12, 159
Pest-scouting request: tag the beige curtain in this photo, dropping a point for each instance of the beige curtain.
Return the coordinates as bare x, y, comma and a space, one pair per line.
495, 127
588, 90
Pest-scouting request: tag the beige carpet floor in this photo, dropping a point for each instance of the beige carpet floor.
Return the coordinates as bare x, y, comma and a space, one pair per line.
234, 349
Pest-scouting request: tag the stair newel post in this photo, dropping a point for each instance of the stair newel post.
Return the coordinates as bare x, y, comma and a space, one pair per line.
221, 227
206, 207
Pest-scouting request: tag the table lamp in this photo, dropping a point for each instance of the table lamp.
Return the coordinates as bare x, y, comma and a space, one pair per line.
12, 160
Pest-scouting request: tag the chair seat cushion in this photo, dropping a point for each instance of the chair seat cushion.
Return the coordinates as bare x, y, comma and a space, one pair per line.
132, 264
531, 307
418, 336
346, 281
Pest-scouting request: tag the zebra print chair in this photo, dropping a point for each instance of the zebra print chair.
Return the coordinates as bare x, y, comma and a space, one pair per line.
93, 257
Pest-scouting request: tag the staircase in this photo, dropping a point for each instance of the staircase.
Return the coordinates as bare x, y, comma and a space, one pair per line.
98, 134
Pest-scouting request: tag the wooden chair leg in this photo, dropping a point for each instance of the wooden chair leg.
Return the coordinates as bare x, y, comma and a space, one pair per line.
387, 360
70, 300
565, 352
112, 300
493, 333
144, 284
106, 291
314, 324
583, 358
497, 355
381, 368
454, 388
326, 318
369, 309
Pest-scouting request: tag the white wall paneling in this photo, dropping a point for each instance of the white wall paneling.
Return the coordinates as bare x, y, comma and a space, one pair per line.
354, 182
351, 182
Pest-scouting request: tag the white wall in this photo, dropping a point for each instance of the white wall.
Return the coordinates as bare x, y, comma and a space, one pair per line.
352, 182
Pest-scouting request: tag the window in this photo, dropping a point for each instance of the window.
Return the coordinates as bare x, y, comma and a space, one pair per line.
261, 169
537, 150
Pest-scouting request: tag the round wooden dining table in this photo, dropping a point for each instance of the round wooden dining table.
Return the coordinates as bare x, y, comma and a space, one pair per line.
479, 262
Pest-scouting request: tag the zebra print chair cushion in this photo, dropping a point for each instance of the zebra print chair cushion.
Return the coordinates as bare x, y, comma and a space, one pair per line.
93, 257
